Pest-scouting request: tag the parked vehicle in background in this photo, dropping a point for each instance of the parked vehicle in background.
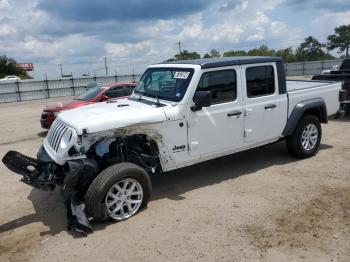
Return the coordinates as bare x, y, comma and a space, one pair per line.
94, 93
329, 70
93, 84
10, 78
181, 113
342, 74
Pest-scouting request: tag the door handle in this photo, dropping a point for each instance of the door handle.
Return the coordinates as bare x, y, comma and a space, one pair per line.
270, 106
234, 113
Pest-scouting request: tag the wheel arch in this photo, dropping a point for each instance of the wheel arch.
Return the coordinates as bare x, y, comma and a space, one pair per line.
147, 143
316, 107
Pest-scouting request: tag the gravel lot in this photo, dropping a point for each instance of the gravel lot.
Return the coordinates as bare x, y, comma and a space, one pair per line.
259, 205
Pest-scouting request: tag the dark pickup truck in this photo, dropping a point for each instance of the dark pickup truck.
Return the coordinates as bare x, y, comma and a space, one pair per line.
340, 75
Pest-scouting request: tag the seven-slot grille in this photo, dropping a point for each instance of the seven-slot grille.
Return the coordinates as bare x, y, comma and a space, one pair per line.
55, 134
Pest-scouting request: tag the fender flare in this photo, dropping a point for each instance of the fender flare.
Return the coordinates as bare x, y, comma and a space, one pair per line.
300, 109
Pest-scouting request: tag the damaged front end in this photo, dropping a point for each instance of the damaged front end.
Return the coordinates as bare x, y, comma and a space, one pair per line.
76, 166
74, 177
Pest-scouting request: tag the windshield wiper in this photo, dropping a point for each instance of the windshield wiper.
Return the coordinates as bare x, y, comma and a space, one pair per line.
158, 104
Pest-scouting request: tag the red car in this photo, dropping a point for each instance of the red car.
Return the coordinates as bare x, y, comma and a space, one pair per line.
98, 93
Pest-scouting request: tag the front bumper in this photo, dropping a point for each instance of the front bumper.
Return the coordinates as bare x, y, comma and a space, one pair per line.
44, 174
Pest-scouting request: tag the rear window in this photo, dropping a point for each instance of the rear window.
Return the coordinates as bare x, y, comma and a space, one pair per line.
90, 93
115, 92
260, 81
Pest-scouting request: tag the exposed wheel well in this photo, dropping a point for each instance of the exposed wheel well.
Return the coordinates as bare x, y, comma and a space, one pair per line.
139, 149
317, 112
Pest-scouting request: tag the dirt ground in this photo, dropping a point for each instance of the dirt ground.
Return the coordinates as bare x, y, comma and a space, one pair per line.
259, 205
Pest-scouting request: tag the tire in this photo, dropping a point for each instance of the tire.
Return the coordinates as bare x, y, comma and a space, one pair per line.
96, 199
295, 141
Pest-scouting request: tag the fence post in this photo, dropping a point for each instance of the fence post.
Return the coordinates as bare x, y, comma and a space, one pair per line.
116, 76
73, 87
133, 76
303, 68
47, 87
19, 91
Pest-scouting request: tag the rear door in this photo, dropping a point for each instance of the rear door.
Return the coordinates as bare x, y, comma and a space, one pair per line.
265, 110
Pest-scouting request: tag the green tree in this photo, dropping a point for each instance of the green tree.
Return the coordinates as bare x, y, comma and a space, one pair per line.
213, 53
287, 55
186, 55
8, 66
207, 56
235, 53
311, 50
261, 51
340, 40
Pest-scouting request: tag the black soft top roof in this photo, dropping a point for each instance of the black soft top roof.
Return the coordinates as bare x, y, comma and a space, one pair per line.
226, 61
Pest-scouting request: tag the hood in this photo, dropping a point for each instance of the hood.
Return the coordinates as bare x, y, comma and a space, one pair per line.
106, 116
65, 105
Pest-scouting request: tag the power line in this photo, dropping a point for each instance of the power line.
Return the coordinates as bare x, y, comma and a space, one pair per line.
106, 67
61, 70
179, 44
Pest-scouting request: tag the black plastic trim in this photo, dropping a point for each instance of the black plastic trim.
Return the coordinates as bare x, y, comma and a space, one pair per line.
300, 109
226, 61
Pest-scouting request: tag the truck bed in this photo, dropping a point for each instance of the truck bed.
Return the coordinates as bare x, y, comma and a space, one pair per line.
299, 91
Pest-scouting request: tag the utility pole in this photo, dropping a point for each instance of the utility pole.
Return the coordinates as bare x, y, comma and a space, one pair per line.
61, 70
179, 44
106, 67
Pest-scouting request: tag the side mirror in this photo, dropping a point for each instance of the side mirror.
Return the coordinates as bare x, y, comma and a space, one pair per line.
201, 99
104, 98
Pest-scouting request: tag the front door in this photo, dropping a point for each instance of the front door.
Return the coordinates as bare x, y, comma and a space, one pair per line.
218, 128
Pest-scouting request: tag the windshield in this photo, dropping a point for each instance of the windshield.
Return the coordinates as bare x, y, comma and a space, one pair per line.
165, 83
89, 94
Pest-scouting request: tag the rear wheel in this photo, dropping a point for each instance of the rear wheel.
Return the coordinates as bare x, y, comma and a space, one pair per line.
118, 192
305, 141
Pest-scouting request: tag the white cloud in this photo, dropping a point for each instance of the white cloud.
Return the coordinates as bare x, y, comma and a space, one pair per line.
31, 35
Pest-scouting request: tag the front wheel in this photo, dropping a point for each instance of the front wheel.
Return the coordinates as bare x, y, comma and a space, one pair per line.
306, 138
118, 192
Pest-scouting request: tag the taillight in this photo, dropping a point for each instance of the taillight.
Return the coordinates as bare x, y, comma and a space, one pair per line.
342, 95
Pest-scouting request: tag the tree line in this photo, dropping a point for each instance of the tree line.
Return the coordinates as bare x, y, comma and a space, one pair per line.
309, 50
8, 66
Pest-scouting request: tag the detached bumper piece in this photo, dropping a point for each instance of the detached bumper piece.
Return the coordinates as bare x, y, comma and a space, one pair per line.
34, 172
47, 176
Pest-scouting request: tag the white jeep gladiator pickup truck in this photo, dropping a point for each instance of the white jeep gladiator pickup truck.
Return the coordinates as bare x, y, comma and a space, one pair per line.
181, 113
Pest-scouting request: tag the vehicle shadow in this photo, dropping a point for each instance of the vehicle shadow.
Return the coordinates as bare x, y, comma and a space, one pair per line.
49, 208
42, 133
345, 119
176, 183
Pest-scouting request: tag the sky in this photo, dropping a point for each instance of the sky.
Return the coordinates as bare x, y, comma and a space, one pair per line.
133, 34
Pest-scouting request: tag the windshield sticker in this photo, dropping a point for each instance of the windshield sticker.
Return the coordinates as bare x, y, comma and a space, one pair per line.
181, 75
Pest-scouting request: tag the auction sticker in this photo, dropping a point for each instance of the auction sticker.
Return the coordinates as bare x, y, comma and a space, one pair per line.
181, 75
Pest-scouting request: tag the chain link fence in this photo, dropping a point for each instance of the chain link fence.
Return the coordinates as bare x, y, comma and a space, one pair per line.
32, 89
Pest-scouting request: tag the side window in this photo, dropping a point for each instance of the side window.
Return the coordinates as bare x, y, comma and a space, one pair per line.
260, 81
128, 90
222, 84
115, 92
